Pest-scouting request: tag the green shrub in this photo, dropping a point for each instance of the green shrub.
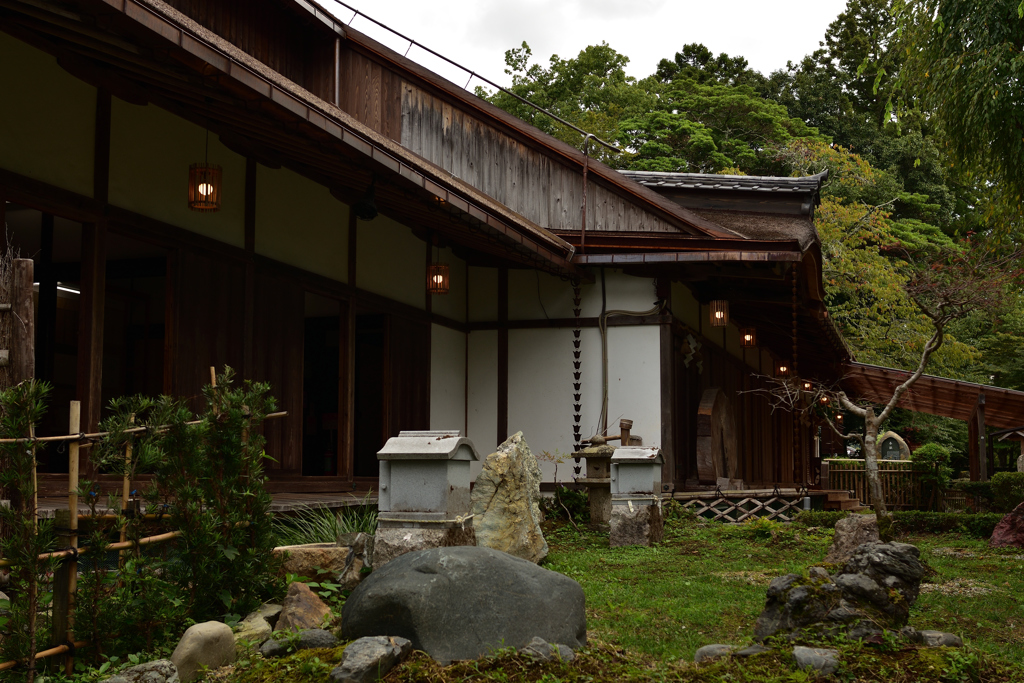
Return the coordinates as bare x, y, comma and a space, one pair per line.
982, 489
932, 462
568, 504
978, 525
1007, 490
821, 518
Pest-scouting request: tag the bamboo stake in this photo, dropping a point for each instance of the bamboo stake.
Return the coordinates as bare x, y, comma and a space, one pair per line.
59, 650
160, 538
100, 435
74, 425
126, 486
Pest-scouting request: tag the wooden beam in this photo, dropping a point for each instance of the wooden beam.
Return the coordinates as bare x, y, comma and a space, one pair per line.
668, 407
502, 355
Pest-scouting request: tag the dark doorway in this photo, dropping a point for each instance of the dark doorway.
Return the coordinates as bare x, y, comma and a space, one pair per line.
321, 372
370, 423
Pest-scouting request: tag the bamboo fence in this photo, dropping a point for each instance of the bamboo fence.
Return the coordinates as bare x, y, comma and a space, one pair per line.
66, 578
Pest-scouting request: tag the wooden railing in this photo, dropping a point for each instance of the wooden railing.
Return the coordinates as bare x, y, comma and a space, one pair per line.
901, 485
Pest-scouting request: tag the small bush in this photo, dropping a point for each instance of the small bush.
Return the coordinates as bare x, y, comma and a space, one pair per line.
978, 525
1007, 490
981, 491
821, 518
568, 504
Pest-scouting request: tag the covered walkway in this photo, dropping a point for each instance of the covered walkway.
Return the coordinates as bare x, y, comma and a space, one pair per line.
980, 405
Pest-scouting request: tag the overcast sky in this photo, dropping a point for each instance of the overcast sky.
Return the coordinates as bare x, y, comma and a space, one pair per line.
476, 33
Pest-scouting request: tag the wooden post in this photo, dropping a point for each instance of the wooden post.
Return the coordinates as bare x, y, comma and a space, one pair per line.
502, 420
23, 355
65, 579
126, 486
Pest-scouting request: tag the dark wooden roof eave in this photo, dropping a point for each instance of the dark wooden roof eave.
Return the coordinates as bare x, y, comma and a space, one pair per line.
265, 98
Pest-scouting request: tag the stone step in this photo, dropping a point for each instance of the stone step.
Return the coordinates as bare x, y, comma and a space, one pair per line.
852, 504
835, 496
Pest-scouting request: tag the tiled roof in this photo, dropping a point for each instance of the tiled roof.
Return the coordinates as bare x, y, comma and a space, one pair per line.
710, 181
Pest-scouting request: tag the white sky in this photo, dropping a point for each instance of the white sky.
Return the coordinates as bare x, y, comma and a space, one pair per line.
476, 33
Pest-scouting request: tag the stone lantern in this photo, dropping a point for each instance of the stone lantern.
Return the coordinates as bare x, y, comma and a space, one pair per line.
424, 499
636, 496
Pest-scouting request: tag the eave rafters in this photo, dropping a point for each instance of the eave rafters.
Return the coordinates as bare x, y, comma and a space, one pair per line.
108, 49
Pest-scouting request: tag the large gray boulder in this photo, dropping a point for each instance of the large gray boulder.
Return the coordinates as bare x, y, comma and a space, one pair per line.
465, 602
851, 533
208, 645
506, 502
874, 592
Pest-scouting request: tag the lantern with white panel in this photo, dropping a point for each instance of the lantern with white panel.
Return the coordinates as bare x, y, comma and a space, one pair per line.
423, 500
636, 496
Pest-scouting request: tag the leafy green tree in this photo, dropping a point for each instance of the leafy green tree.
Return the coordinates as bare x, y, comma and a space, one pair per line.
963, 61
697, 63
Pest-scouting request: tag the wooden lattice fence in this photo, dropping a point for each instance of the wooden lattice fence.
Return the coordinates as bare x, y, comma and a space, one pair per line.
739, 506
901, 485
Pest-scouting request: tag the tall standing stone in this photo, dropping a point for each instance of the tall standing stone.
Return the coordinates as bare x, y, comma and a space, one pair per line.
506, 502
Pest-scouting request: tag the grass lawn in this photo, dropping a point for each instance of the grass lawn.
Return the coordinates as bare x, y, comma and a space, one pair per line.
649, 609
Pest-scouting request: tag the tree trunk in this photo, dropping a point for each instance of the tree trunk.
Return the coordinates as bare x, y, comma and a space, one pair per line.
871, 463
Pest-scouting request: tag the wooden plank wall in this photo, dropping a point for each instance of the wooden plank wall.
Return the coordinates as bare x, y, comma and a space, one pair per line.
284, 38
546, 192
764, 438
372, 94
278, 331
209, 322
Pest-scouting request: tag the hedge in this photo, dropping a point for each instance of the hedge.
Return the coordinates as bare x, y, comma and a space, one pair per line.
1007, 490
978, 525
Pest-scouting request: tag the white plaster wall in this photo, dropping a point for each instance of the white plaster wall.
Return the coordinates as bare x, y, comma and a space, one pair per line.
540, 392
150, 152
634, 380
298, 222
47, 119
391, 261
483, 393
447, 378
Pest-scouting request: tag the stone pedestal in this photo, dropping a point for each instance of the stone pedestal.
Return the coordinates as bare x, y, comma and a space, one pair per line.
390, 542
598, 481
634, 523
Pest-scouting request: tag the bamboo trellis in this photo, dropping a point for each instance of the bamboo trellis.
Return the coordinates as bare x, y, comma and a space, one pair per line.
64, 609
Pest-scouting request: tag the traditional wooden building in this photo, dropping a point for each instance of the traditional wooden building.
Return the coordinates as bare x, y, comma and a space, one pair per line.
390, 251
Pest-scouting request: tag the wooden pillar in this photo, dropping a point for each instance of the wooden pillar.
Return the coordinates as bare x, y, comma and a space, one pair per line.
90, 323
502, 354
23, 353
347, 363
249, 311
663, 290
977, 448
47, 310
982, 439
